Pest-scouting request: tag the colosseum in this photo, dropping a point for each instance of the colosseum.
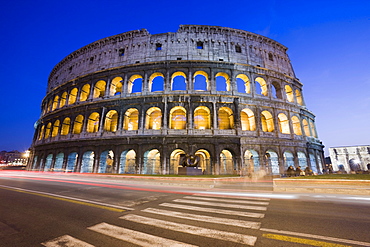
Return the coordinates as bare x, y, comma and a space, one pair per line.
224, 100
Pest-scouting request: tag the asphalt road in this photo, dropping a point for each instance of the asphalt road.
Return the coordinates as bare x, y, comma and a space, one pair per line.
54, 210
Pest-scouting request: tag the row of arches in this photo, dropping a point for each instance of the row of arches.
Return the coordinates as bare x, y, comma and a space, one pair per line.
178, 82
127, 162
178, 119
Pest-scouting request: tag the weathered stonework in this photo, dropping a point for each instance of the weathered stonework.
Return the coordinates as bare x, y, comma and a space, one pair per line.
137, 103
350, 159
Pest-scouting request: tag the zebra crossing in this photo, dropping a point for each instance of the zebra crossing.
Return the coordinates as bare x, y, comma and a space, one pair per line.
183, 216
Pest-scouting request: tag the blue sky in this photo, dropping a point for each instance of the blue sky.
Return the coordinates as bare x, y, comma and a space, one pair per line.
328, 43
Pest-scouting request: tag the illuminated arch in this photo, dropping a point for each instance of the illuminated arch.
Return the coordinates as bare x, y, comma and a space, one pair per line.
296, 125
55, 131
225, 118
306, 128
111, 121
115, 86
127, 163
63, 99
273, 162
267, 121
77, 124
289, 93
72, 96
152, 162
298, 96
202, 118
48, 162
302, 160
313, 129
99, 89
261, 86
58, 166
55, 103
41, 133
93, 122
175, 159
243, 83
106, 162
85, 92
227, 164
252, 161
248, 121
87, 162
135, 84
288, 159
47, 130
222, 81
156, 82
200, 79
283, 123
204, 161
71, 162
178, 118
131, 119
153, 119
65, 126
178, 81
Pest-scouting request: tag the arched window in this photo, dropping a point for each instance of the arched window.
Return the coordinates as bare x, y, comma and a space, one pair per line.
298, 96
225, 118
306, 128
135, 84
152, 162
131, 120
227, 165
243, 83
296, 125
85, 91
77, 124
55, 103
128, 162
289, 93
47, 130
222, 81
288, 159
313, 129
178, 118
41, 133
153, 118
116, 86
276, 90
55, 131
202, 118
261, 86
63, 100
200, 81
49, 106
156, 82
72, 96
87, 162
99, 89
283, 123
178, 81
93, 122
111, 120
267, 122
65, 126
106, 162
247, 120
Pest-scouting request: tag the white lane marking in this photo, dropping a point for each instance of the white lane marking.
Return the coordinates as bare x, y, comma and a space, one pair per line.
340, 240
242, 194
69, 198
226, 205
194, 230
66, 241
227, 200
213, 210
135, 237
208, 219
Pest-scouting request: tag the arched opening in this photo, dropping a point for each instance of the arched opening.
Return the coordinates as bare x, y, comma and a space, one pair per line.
115, 86
131, 119
72, 96
252, 161
41, 133
302, 160
296, 125
111, 121
267, 122
276, 90
55, 131
71, 162
298, 96
202, 118
227, 164
288, 159
204, 161
248, 121
63, 100
87, 162
55, 103
313, 129
152, 162
153, 118
106, 162
273, 162
48, 162
200, 81
243, 83
283, 123
47, 131
135, 84
306, 128
34, 164
175, 159
99, 89
222, 81
65, 126
77, 124
127, 164
178, 81
313, 163
156, 82
58, 166
178, 118
93, 122
261, 86
289, 93
225, 118
85, 91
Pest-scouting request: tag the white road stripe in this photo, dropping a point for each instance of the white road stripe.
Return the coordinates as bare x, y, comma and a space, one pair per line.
194, 230
340, 240
213, 210
226, 205
135, 237
226, 200
208, 219
66, 241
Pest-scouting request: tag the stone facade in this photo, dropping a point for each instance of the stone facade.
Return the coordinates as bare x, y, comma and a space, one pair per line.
141, 103
350, 159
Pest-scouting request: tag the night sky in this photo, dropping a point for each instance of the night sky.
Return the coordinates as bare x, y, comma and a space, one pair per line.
328, 43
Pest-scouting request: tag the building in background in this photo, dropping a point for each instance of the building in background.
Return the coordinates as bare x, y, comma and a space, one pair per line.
350, 159
223, 99
13, 157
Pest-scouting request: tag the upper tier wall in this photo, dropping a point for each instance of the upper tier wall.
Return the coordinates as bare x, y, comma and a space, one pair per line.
218, 44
